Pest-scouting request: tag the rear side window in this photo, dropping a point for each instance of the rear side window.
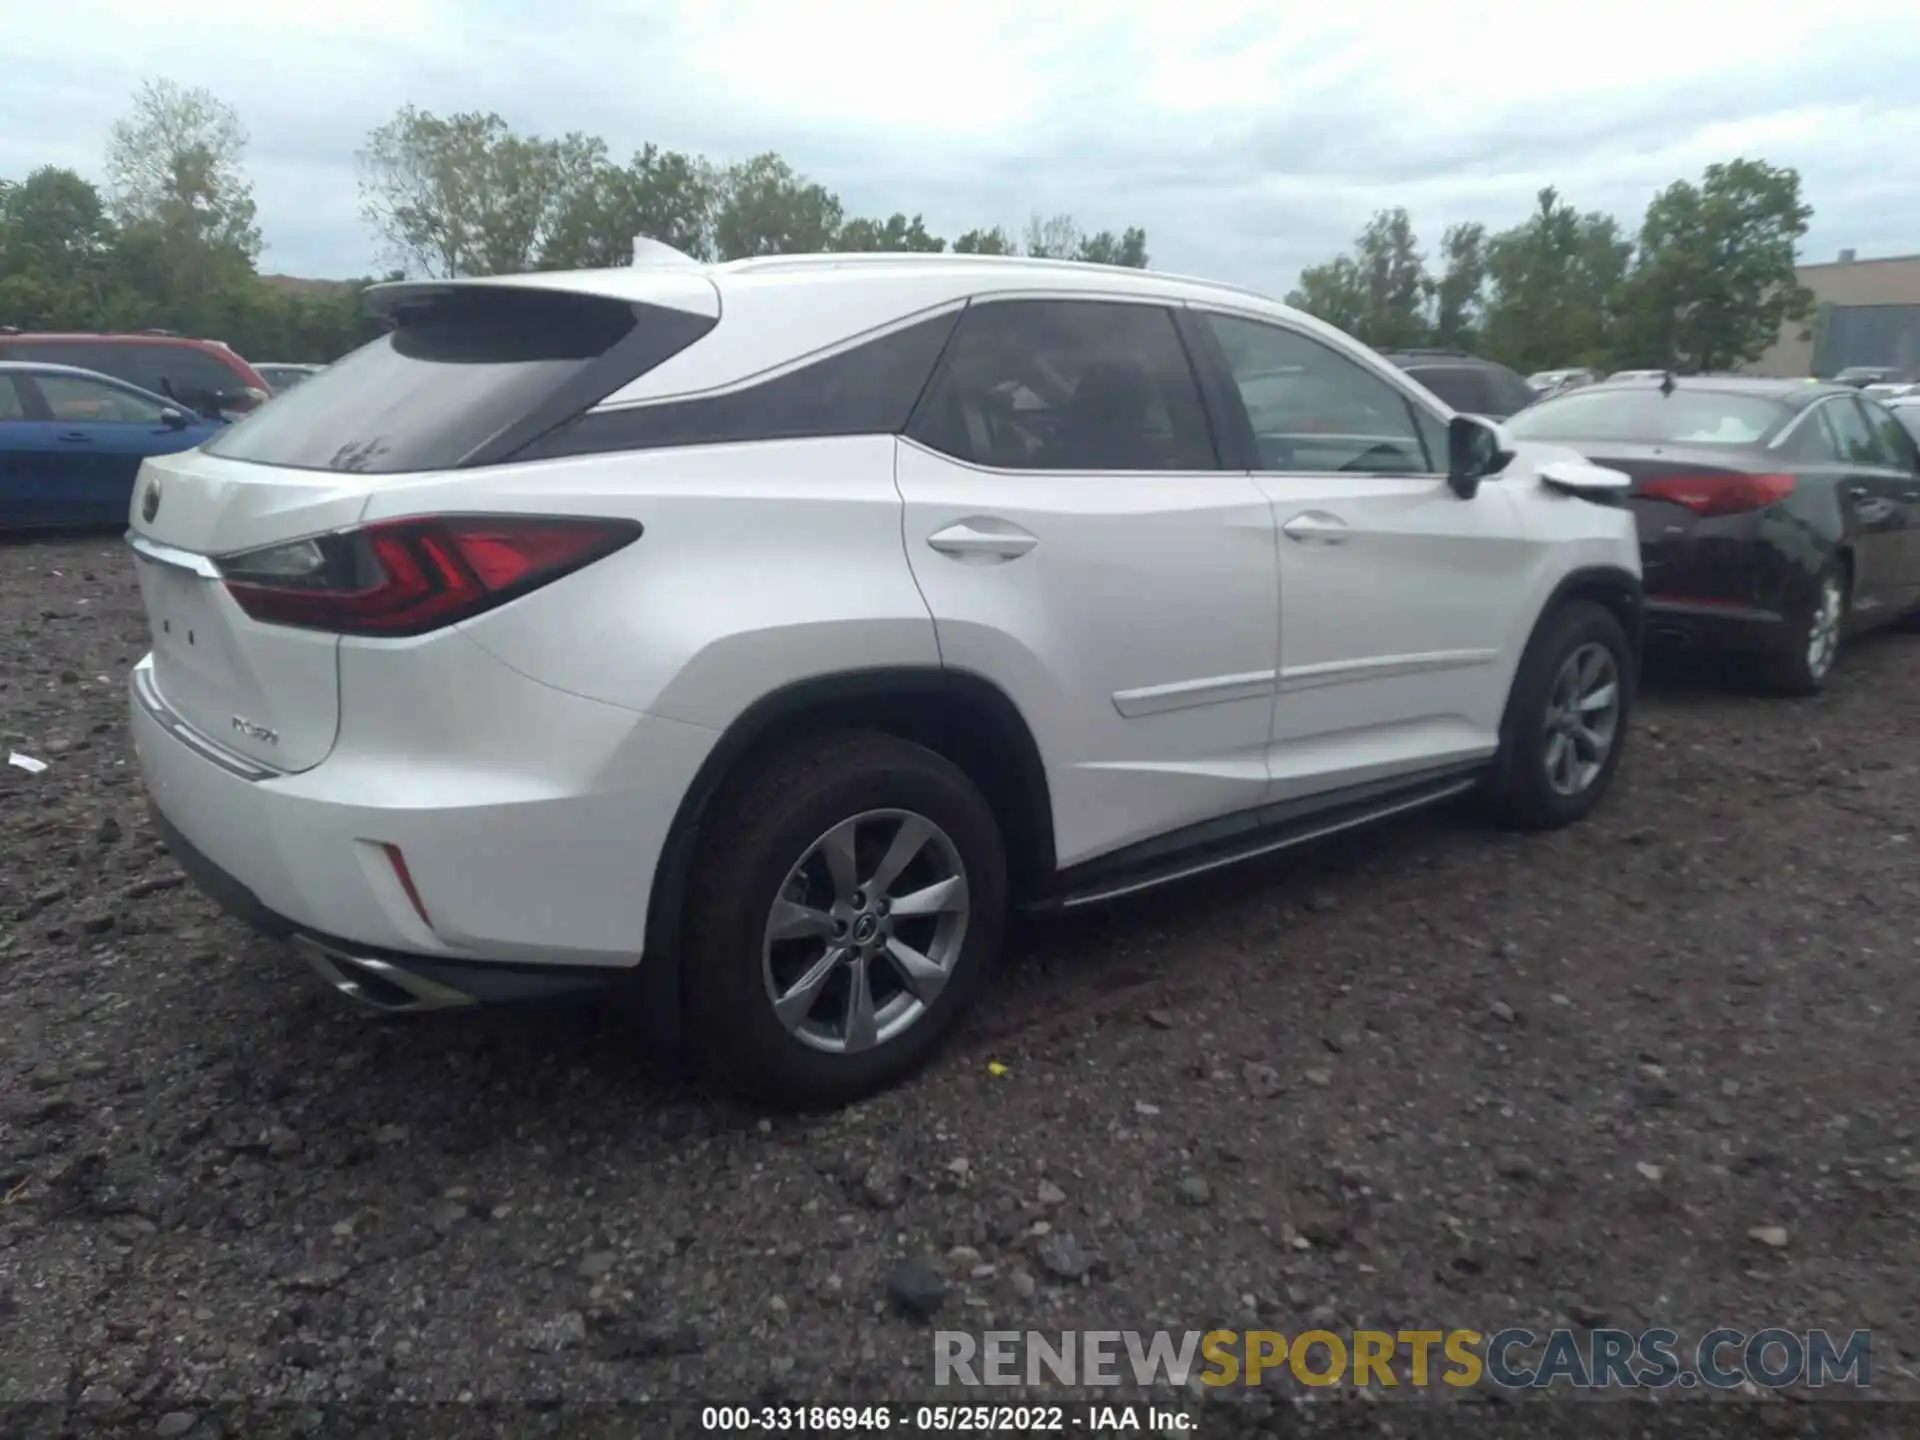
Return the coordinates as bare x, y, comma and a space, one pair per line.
11, 407
1067, 385
187, 371
459, 374
867, 389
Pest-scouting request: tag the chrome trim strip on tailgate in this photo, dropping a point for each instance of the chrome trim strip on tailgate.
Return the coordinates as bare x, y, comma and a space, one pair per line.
169, 555
148, 694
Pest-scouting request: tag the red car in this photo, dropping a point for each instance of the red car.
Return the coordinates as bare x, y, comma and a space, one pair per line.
202, 375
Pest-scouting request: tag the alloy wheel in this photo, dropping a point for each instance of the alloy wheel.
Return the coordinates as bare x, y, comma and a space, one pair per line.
1823, 629
1582, 718
865, 931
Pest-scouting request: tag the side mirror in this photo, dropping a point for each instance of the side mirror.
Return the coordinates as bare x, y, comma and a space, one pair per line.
173, 419
1475, 450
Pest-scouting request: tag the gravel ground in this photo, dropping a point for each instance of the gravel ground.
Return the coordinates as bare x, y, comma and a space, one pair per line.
1432, 1077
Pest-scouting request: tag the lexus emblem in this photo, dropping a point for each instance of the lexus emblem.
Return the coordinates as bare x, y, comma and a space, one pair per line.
150, 501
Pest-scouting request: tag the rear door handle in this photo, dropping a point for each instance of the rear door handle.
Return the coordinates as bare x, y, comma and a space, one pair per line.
76, 437
1316, 527
983, 538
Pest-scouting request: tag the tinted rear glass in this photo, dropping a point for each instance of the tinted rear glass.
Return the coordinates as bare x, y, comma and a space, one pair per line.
452, 375
1686, 417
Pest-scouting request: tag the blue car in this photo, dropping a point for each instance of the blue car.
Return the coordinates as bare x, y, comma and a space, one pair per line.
71, 442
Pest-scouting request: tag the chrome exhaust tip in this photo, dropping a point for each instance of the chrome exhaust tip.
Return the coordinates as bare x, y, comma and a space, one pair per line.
379, 985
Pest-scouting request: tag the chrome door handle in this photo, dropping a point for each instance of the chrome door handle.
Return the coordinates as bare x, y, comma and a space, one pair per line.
1316, 527
983, 539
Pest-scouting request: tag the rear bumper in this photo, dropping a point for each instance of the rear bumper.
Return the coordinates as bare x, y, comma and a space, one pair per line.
1729, 582
383, 980
1713, 625
529, 821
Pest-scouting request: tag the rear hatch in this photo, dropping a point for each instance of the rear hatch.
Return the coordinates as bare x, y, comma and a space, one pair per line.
469, 373
268, 692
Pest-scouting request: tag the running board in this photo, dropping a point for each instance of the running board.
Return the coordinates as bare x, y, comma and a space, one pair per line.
1228, 841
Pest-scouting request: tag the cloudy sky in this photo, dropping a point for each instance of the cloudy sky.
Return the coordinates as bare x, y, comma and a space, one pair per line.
1249, 137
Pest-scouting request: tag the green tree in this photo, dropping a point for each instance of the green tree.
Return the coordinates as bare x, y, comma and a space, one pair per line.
766, 208
1393, 278
1556, 286
995, 241
56, 246
1129, 248
1054, 238
1334, 292
1714, 281
1377, 294
1457, 293
465, 195
896, 232
187, 237
177, 162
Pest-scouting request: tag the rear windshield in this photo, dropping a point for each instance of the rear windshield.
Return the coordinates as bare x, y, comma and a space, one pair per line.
451, 376
1686, 417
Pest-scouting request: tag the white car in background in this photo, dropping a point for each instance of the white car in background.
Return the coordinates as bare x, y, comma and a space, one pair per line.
758, 633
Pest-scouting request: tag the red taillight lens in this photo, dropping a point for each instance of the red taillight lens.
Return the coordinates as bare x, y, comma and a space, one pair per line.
406, 577
1723, 494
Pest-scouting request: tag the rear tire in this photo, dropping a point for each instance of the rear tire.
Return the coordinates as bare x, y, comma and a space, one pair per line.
813, 842
1805, 663
1566, 720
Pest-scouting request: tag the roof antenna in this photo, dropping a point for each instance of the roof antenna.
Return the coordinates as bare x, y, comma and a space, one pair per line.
1666, 382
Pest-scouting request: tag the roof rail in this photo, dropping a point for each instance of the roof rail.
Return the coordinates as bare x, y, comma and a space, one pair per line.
828, 259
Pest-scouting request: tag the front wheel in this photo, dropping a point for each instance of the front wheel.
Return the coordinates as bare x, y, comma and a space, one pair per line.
1566, 719
846, 904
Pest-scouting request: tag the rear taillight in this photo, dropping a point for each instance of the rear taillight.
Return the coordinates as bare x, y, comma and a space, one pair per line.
406, 577
1723, 494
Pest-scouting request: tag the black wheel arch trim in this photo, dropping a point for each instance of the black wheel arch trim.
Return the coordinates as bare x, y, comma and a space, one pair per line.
759, 721
1617, 578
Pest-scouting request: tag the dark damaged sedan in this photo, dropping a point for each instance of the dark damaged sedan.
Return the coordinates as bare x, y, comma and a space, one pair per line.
1776, 516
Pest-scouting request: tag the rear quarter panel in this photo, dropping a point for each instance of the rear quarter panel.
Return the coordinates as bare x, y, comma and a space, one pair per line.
760, 565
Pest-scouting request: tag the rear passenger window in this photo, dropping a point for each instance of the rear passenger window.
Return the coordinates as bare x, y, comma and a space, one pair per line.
10, 406
1067, 385
869, 389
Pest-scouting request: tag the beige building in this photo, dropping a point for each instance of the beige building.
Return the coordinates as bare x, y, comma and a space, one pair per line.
1866, 312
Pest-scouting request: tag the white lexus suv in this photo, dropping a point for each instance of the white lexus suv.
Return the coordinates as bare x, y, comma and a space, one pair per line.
758, 634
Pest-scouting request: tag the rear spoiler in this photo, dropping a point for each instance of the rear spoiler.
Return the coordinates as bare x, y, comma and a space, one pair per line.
670, 287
